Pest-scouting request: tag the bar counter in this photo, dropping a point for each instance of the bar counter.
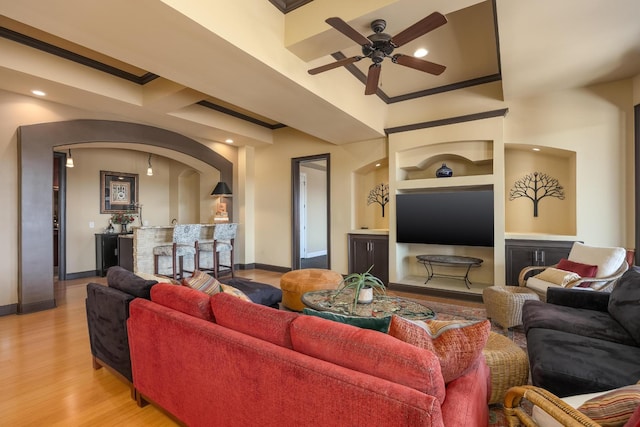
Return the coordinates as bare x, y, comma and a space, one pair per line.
146, 238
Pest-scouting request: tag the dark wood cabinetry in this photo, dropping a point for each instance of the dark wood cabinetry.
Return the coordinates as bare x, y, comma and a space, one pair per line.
366, 250
106, 252
524, 253
125, 251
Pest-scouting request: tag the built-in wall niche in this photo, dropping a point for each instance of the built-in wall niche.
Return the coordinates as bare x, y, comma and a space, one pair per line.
365, 179
556, 216
465, 158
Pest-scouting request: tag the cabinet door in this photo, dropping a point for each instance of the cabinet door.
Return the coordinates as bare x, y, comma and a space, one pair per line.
380, 258
517, 259
525, 253
125, 253
358, 254
106, 252
369, 250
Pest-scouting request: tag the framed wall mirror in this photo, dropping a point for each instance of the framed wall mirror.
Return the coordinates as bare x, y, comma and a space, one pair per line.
311, 245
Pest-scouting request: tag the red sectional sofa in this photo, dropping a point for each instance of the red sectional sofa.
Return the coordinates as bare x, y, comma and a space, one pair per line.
221, 361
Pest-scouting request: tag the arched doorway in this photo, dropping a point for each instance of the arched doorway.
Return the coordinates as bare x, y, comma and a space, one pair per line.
35, 149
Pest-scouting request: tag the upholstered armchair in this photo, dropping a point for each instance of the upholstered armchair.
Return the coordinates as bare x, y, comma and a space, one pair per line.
587, 267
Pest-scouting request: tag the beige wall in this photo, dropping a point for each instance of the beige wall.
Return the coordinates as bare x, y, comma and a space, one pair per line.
273, 193
370, 215
83, 197
596, 123
555, 216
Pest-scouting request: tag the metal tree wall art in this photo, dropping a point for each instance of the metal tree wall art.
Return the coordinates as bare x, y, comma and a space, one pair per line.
536, 186
380, 195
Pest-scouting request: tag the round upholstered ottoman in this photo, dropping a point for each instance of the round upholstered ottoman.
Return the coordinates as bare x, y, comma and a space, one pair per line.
297, 282
504, 304
508, 363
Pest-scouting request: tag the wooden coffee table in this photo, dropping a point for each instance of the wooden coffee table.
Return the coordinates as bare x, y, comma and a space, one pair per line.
382, 305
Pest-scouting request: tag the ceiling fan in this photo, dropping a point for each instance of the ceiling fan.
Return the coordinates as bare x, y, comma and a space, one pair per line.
380, 45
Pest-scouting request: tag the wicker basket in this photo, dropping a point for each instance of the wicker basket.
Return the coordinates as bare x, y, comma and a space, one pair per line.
504, 304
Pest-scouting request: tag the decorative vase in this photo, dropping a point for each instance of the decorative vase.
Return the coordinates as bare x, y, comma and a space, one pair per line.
365, 296
123, 228
444, 171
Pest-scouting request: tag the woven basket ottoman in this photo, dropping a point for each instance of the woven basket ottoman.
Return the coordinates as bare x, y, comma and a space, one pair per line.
508, 363
296, 283
504, 304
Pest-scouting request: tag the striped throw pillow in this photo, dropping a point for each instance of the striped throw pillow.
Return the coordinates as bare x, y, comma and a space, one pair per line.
613, 408
201, 281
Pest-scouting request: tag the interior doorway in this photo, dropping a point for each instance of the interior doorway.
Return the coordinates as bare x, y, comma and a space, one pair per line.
310, 177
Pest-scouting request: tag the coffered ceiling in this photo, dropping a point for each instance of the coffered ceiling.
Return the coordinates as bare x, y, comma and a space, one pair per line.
241, 72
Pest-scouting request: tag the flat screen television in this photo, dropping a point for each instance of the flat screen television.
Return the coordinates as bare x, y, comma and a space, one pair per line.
463, 217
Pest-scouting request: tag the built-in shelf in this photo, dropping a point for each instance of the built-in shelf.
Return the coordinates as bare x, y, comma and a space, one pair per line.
454, 181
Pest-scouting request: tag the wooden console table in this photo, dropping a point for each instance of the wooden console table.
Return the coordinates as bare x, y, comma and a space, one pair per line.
450, 261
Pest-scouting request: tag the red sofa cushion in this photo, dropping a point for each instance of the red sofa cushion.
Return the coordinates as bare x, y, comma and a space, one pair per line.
370, 352
255, 320
183, 299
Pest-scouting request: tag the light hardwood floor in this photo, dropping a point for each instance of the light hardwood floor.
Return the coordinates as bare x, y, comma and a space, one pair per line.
46, 375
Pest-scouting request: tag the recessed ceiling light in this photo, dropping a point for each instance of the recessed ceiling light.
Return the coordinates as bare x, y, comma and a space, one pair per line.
420, 53
377, 165
38, 92
536, 149
229, 141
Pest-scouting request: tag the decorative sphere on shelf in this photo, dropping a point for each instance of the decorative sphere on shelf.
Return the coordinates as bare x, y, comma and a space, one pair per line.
444, 171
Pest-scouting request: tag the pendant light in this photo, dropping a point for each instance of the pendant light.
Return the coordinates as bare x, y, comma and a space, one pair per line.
69, 163
149, 168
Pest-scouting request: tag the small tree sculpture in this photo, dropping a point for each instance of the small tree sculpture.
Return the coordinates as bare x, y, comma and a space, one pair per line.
536, 186
380, 195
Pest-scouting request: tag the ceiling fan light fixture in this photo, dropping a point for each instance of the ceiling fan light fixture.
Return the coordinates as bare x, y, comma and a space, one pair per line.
420, 53
380, 45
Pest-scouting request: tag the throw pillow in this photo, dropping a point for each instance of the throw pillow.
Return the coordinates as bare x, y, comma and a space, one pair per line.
159, 277
614, 408
624, 302
557, 276
457, 344
584, 270
201, 281
235, 292
380, 324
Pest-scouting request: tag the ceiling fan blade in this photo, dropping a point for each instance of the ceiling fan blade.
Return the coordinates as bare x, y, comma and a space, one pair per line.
331, 66
418, 29
348, 31
419, 64
372, 79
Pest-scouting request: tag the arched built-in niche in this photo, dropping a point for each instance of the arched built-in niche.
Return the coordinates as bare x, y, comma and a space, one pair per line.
35, 151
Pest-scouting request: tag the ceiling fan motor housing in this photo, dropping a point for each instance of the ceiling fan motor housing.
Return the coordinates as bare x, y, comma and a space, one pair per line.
381, 45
